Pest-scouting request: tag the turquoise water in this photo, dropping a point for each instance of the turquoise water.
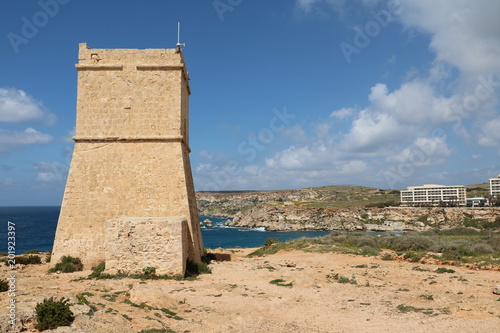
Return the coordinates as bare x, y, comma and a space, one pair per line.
225, 237
35, 228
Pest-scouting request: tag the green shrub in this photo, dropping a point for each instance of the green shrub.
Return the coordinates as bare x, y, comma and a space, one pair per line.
32, 252
474, 223
413, 256
195, 269
481, 248
366, 240
68, 264
208, 257
30, 260
341, 279
281, 282
4, 285
149, 271
51, 314
369, 251
441, 270
387, 256
427, 297
97, 271
494, 241
408, 242
271, 241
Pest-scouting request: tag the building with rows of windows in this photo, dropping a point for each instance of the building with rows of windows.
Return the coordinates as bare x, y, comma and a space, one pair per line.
431, 194
495, 187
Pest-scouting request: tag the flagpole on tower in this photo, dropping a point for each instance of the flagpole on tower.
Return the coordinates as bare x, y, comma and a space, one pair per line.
179, 36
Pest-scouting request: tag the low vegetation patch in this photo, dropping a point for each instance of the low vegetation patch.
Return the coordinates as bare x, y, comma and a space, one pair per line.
24, 260
98, 270
83, 300
454, 246
171, 314
142, 305
281, 282
30, 260
428, 311
195, 269
149, 273
157, 330
51, 314
4, 285
427, 297
67, 264
271, 241
341, 279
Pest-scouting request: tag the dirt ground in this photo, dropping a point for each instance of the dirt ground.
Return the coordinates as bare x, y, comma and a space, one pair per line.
377, 296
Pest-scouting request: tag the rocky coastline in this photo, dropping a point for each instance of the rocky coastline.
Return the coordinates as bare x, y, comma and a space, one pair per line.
285, 211
377, 219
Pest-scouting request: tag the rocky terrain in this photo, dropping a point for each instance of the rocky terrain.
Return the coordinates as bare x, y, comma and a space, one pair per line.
333, 208
386, 219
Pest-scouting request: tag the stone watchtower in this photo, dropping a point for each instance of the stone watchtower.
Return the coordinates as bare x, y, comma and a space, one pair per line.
129, 198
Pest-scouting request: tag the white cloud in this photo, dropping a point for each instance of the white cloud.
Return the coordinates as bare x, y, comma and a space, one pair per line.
307, 4
343, 113
392, 117
464, 33
50, 172
490, 134
423, 152
371, 132
12, 139
16, 107
393, 134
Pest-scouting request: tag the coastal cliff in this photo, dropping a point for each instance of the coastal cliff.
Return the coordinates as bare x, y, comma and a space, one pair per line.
386, 219
338, 207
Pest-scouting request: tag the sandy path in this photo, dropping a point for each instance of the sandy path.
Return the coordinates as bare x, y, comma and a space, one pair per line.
237, 297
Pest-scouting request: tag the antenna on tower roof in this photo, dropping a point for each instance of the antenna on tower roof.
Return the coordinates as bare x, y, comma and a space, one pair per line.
179, 36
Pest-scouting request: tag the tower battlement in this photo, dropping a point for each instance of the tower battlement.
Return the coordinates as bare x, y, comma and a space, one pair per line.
132, 94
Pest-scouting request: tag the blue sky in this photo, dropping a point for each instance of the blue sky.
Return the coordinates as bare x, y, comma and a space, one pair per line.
285, 93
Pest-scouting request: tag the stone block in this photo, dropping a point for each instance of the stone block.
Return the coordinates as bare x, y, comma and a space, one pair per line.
133, 243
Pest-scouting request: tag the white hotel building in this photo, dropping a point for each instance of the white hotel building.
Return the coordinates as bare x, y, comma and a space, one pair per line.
431, 194
495, 186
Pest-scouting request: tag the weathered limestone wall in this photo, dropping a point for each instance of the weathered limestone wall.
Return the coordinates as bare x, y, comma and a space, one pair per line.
133, 243
131, 155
